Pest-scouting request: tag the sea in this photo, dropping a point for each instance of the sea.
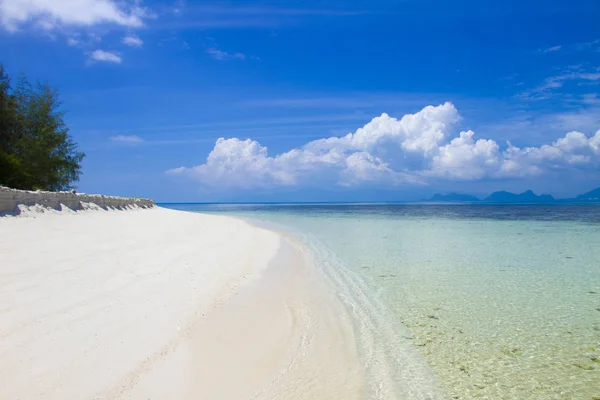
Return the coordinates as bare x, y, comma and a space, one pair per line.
500, 301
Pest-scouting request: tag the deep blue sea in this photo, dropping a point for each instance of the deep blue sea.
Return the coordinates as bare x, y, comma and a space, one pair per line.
502, 301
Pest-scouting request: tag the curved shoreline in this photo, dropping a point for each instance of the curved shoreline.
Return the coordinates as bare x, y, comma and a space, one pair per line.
390, 366
287, 336
170, 304
166, 304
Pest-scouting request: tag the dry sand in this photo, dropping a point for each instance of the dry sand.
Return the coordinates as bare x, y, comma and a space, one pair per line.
162, 304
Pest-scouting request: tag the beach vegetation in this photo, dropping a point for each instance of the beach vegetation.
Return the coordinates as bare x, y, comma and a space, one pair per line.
36, 150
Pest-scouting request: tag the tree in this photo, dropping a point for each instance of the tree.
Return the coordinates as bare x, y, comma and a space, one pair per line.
36, 150
11, 172
7, 112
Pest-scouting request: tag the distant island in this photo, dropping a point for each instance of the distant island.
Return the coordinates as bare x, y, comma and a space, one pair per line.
452, 197
504, 197
591, 196
525, 197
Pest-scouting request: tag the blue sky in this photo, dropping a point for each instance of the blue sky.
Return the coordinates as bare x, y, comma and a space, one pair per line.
150, 87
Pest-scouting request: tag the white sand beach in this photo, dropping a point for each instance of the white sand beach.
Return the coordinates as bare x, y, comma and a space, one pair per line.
163, 304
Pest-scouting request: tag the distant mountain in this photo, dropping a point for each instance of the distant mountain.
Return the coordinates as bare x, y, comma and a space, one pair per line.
525, 197
452, 197
592, 195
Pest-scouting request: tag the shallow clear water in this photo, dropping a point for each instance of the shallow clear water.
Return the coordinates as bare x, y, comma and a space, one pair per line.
502, 302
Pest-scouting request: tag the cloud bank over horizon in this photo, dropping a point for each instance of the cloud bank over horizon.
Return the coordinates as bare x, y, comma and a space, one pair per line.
416, 149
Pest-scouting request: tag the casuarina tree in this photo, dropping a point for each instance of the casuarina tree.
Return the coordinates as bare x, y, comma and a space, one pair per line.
36, 150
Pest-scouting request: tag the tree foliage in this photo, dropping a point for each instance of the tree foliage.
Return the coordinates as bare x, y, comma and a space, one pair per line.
36, 150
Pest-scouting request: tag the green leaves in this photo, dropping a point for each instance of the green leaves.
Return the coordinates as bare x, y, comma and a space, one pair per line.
36, 150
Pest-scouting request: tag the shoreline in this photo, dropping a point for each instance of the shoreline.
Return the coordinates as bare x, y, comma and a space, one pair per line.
391, 367
166, 304
297, 340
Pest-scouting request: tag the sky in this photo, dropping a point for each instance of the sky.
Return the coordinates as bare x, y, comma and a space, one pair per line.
319, 100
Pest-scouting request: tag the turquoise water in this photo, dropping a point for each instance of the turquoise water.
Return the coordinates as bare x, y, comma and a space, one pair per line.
501, 302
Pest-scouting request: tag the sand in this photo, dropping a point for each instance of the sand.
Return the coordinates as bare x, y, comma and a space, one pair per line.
163, 304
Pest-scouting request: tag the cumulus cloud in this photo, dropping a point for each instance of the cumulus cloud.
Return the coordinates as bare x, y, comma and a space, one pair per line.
241, 163
389, 151
51, 14
574, 151
127, 139
133, 41
466, 159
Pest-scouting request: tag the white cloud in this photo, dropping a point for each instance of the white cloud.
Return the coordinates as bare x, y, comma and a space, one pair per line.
589, 76
552, 84
590, 99
388, 151
574, 151
133, 41
466, 159
223, 55
51, 14
105, 56
363, 167
420, 132
552, 49
574, 47
239, 163
131, 140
